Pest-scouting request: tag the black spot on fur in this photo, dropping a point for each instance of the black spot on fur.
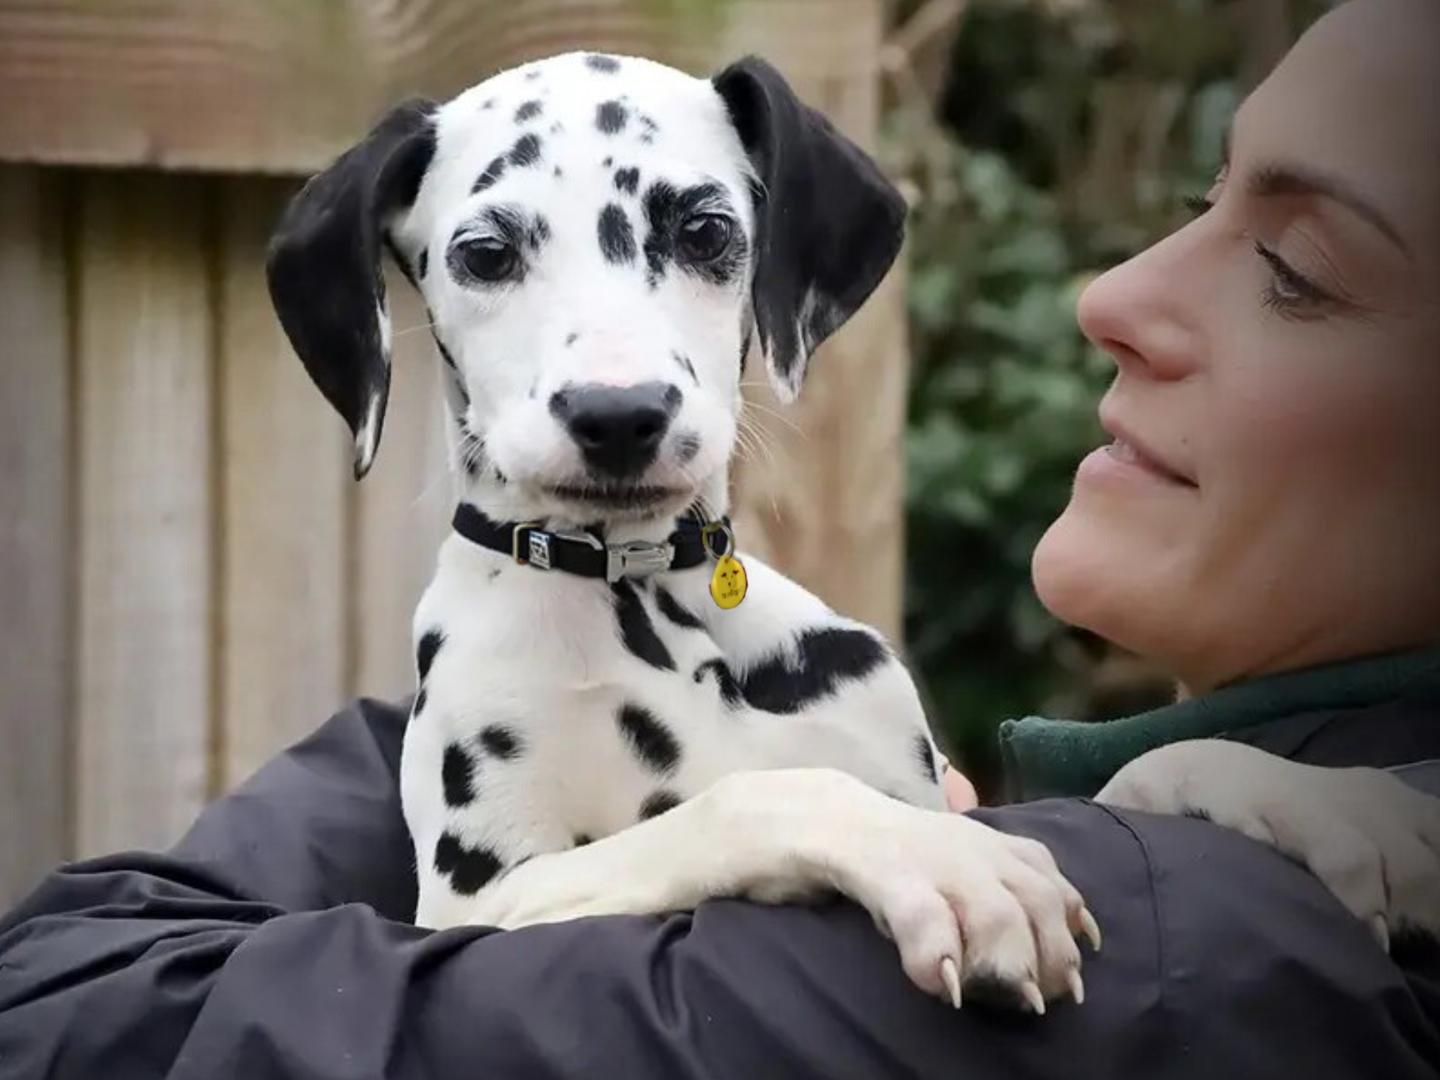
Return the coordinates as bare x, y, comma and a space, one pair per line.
657, 802
426, 651
662, 212
500, 742
610, 117
570, 339
532, 74
469, 869
673, 610
822, 659
460, 389
627, 180
926, 757
1197, 813
724, 679
649, 738
526, 151
581, 839
617, 239
687, 445
419, 706
666, 209
558, 173
648, 129
684, 362
458, 774
606, 65
636, 629
825, 658
488, 103
493, 172
539, 232
528, 111
444, 352
424, 263
472, 457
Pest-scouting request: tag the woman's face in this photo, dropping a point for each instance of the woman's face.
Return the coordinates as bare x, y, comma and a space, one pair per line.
1273, 498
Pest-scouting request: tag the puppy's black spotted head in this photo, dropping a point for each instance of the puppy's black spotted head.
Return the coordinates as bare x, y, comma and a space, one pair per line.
599, 235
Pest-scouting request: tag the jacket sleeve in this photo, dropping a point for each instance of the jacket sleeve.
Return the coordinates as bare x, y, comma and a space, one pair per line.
272, 942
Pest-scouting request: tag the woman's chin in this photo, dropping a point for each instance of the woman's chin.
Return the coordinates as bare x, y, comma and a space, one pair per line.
1084, 574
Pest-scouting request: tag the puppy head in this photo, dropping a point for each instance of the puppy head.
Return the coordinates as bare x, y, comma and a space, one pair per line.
596, 240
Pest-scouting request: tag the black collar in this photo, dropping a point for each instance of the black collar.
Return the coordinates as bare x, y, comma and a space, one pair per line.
583, 553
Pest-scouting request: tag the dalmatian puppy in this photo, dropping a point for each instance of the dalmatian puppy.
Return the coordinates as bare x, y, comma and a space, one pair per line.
598, 241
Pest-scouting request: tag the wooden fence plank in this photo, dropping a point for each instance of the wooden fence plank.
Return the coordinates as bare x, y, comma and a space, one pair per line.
284, 471
402, 507
143, 351
35, 531
265, 85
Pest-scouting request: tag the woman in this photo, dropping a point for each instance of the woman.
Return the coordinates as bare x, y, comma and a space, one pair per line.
1267, 525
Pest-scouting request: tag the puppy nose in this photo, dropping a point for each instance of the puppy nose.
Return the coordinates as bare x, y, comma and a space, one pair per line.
618, 428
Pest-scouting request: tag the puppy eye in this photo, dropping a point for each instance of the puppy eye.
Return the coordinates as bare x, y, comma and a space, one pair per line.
704, 237
488, 259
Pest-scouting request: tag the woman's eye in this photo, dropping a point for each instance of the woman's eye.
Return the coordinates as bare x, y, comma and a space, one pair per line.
704, 237
1290, 292
488, 259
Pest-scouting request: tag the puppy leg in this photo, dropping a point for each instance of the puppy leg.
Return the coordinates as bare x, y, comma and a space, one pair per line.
965, 904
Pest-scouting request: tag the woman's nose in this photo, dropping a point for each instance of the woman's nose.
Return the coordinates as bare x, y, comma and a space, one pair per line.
1147, 312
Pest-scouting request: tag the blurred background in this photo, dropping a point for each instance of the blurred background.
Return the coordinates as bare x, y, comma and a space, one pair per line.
189, 578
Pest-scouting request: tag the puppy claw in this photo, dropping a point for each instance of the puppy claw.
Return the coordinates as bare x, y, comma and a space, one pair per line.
1033, 998
1077, 987
1091, 928
951, 978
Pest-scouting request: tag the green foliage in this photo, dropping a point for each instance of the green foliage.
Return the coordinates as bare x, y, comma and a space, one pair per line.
1067, 144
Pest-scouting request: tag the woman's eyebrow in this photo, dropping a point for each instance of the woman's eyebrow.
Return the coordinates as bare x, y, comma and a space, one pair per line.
1275, 179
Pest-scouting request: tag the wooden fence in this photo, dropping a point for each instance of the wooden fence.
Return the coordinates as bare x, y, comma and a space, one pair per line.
190, 579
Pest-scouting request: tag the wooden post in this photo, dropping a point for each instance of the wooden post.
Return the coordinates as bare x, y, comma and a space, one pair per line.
283, 474
36, 531
145, 525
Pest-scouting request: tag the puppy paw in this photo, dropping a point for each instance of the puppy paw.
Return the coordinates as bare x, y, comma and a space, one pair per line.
977, 914
1370, 838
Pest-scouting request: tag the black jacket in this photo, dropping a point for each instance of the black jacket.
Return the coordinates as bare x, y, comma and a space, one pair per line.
272, 942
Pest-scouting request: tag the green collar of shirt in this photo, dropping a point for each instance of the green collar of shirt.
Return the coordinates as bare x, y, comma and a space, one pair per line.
1044, 758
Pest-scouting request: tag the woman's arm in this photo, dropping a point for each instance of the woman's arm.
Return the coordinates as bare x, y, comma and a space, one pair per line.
271, 943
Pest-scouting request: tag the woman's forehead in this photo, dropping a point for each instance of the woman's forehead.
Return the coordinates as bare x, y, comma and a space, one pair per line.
1357, 99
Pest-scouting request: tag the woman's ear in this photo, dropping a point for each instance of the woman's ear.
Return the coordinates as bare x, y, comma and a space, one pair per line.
325, 274
828, 223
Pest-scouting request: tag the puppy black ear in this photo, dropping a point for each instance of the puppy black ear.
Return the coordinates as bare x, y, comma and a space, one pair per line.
325, 274
829, 223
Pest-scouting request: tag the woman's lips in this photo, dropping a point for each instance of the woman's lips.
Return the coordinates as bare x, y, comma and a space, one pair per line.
1124, 460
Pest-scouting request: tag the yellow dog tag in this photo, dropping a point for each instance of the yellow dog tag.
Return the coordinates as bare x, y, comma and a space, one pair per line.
727, 585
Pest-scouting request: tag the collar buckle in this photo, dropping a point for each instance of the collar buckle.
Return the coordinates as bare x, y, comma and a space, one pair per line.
638, 558
538, 547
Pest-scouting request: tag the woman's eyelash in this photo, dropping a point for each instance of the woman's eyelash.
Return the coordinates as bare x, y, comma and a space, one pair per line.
1196, 204
1291, 292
